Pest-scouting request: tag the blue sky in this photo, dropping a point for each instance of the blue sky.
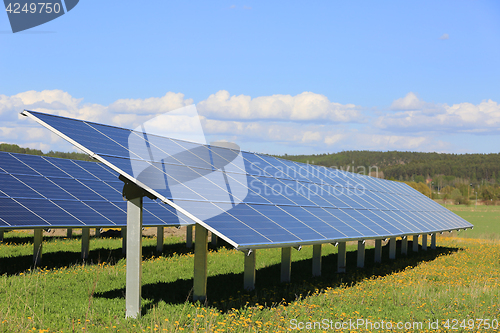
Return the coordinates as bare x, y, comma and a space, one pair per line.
275, 77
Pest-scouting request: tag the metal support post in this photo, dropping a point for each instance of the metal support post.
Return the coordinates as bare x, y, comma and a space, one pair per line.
37, 246
200, 264
97, 232
286, 264
249, 272
69, 233
392, 248
1, 235
159, 239
378, 250
424, 242
85, 243
404, 245
433, 241
361, 254
316, 260
134, 257
415, 243
124, 240
189, 236
341, 257
213, 241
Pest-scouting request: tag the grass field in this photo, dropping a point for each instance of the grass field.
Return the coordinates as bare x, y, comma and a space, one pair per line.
459, 280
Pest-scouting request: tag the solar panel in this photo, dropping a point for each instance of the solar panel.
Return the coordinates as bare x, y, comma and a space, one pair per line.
38, 191
253, 200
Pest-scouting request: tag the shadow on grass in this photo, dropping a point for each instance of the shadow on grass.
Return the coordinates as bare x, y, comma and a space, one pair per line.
226, 291
54, 260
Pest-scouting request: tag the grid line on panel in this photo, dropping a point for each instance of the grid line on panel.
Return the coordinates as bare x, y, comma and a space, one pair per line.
71, 194
92, 202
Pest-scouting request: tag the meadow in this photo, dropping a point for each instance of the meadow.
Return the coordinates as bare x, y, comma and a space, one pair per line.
451, 289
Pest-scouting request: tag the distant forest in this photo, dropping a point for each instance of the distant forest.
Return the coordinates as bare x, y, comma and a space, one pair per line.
461, 178
16, 149
412, 166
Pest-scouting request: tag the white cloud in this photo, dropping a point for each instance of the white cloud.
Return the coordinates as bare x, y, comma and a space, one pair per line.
410, 102
306, 106
306, 122
444, 37
423, 116
153, 105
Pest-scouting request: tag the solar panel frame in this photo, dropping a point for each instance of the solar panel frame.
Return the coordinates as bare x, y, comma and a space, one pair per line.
379, 199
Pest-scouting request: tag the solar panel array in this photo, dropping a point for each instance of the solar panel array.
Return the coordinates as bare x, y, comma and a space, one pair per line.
38, 191
253, 200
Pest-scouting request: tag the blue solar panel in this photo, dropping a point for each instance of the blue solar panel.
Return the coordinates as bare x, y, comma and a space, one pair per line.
43, 191
254, 200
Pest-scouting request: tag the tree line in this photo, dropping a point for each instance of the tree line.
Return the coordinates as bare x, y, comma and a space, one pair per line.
11, 148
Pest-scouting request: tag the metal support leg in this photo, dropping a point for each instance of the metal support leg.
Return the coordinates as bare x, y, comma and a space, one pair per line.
424, 242
134, 258
249, 273
200, 264
189, 236
85, 243
404, 245
341, 257
392, 248
316, 260
415, 243
124, 240
378, 250
159, 239
69, 233
361, 254
213, 241
433, 241
37, 246
97, 232
1, 235
286, 264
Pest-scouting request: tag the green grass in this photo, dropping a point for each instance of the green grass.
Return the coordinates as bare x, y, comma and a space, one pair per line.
457, 280
486, 220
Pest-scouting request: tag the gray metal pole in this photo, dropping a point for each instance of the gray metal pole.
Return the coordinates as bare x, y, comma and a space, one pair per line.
69, 233
97, 232
1, 235
392, 248
37, 246
85, 243
415, 243
378, 250
159, 239
341, 261
200, 264
134, 258
424, 242
249, 272
286, 264
316, 260
124, 239
189, 236
404, 245
213, 241
361, 254
433, 241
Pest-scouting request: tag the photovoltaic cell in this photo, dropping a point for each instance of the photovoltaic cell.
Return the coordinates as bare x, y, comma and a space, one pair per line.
38, 191
253, 200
